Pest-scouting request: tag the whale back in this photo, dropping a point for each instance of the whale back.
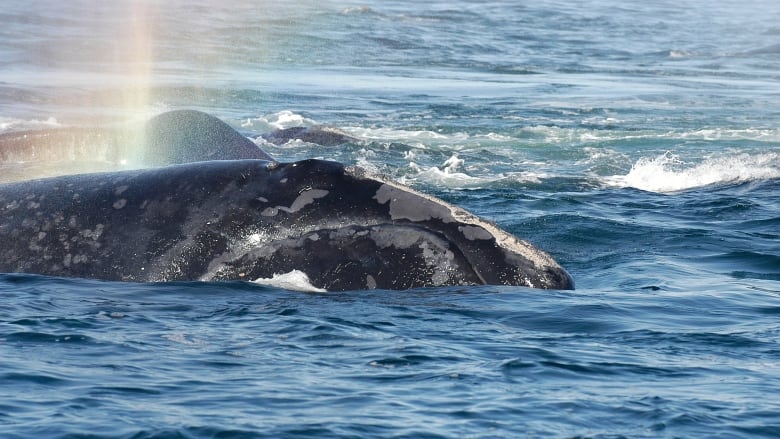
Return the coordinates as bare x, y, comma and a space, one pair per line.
184, 136
180, 136
253, 219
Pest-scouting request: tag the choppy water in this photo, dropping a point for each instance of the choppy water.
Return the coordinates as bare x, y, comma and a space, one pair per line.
637, 143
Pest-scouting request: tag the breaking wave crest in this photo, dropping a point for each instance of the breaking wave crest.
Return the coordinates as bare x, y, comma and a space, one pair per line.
295, 280
669, 173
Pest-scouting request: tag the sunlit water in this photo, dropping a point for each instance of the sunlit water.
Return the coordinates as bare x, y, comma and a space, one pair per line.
639, 144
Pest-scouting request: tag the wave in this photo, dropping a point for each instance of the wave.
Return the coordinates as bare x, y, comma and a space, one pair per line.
599, 129
453, 174
295, 280
541, 135
564, 135
420, 138
273, 121
357, 10
449, 175
669, 173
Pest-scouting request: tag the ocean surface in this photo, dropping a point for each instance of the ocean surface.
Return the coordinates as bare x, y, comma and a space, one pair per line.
636, 142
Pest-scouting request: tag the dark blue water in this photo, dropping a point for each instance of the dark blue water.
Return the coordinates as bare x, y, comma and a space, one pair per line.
639, 144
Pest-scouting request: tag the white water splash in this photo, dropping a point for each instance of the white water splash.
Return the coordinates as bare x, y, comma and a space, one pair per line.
669, 173
276, 121
295, 280
451, 174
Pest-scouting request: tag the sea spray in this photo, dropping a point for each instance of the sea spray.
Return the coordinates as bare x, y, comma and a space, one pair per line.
669, 173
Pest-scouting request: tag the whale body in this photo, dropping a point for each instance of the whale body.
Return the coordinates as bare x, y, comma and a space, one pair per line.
255, 218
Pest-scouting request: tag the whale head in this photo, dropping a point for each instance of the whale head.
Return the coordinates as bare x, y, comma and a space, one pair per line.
346, 229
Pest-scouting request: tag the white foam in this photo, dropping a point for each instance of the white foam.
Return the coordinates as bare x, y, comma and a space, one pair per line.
295, 280
423, 139
557, 135
452, 164
669, 173
712, 134
529, 177
679, 54
276, 121
364, 160
564, 136
450, 175
356, 10
395, 135
529, 135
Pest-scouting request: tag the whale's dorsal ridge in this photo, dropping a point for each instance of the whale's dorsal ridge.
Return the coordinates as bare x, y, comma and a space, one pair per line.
183, 136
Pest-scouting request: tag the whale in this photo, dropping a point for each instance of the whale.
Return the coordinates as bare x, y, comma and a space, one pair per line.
190, 136
238, 214
171, 137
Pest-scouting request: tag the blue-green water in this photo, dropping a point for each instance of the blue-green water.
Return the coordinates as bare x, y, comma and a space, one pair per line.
637, 143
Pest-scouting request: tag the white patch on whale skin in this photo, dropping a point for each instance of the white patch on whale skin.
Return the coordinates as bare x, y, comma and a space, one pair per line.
93, 234
295, 280
473, 233
440, 259
304, 199
254, 240
401, 238
370, 282
405, 204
